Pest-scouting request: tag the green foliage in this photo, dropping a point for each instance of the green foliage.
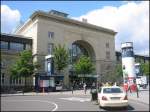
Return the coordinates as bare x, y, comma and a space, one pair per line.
60, 57
118, 70
84, 65
145, 68
114, 75
24, 65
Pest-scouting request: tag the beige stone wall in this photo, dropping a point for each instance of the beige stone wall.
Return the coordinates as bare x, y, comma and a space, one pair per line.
68, 33
30, 30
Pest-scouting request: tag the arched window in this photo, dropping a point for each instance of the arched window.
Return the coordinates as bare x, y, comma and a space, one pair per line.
78, 51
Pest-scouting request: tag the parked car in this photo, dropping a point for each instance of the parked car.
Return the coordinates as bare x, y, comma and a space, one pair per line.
112, 96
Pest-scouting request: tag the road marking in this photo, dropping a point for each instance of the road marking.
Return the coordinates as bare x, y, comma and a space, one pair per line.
56, 106
76, 99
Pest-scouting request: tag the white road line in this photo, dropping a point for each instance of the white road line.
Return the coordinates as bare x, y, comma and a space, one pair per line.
76, 99
56, 106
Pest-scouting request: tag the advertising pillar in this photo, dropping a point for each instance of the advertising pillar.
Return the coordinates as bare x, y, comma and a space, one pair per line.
128, 67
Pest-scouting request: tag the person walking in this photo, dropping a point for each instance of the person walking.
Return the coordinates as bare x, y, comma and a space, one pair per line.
92, 86
72, 88
84, 86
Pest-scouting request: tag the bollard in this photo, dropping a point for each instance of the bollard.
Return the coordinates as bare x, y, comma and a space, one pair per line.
43, 90
137, 91
72, 89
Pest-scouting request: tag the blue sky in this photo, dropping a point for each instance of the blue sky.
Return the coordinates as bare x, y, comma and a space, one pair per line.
73, 8
129, 19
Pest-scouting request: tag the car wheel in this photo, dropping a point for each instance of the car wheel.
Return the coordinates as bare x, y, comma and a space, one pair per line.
101, 107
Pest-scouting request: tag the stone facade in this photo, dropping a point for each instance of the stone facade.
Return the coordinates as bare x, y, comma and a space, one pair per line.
99, 42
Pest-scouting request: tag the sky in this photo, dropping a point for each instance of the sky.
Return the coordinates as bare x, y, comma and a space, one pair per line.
129, 19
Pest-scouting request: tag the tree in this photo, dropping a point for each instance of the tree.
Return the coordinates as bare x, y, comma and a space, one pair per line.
60, 57
24, 66
114, 75
84, 66
145, 68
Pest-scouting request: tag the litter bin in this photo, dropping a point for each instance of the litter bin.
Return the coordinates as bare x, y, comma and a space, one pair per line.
94, 95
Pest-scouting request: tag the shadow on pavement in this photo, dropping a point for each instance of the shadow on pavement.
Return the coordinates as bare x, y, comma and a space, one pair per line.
129, 108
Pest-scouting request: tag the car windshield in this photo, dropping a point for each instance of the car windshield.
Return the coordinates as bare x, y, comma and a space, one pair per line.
112, 90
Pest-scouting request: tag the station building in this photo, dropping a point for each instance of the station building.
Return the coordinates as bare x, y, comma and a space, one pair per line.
51, 28
43, 30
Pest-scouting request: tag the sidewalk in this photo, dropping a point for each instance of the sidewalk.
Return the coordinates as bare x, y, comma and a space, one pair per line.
143, 96
75, 92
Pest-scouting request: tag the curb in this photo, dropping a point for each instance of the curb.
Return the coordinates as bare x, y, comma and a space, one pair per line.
41, 94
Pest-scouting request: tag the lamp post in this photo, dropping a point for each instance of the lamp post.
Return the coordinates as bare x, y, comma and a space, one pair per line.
97, 80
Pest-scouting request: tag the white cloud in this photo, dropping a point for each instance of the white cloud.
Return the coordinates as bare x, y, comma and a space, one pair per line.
9, 19
130, 20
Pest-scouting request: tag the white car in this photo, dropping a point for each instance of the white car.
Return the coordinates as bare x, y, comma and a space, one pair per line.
112, 96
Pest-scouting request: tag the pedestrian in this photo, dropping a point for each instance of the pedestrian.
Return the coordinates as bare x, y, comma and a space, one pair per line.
72, 88
92, 86
84, 86
80, 85
129, 89
100, 85
61, 84
115, 84
107, 84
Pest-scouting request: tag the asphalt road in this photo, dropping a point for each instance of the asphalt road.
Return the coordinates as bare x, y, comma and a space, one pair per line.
60, 102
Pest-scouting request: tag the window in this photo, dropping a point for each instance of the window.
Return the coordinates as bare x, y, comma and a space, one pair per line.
16, 46
74, 50
107, 45
51, 34
4, 45
19, 80
50, 48
49, 67
28, 46
15, 80
2, 78
107, 55
112, 90
3, 64
10, 80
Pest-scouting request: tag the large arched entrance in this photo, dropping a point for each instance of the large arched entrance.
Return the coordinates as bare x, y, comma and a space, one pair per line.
81, 47
78, 49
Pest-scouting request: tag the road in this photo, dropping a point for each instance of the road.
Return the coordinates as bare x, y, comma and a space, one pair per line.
60, 102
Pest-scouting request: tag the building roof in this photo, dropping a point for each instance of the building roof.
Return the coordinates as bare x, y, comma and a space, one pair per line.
15, 38
68, 20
